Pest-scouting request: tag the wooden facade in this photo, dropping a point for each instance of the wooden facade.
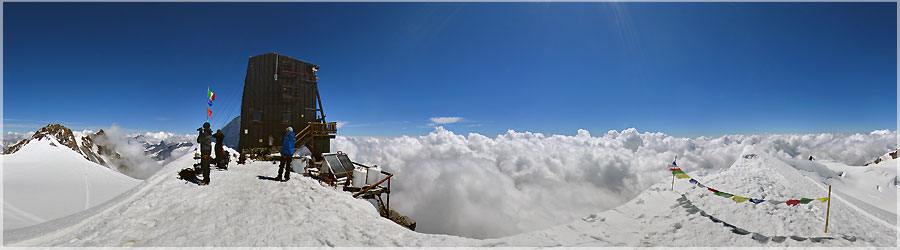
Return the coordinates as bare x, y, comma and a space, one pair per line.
279, 91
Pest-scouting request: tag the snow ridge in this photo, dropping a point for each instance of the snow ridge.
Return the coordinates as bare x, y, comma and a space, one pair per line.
239, 209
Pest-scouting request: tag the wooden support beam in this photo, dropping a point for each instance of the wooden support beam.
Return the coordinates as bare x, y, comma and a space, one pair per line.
373, 185
828, 210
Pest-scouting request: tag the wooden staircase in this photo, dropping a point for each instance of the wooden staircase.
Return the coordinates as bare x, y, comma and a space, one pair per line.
313, 132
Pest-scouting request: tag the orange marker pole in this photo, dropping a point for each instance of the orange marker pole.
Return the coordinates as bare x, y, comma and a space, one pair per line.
828, 211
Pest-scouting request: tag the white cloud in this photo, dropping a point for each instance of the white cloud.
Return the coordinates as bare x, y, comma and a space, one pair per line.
485, 187
134, 161
156, 137
340, 123
881, 132
445, 120
17, 136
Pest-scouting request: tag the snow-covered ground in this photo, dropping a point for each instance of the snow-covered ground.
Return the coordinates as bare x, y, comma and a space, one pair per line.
693, 216
874, 185
46, 180
240, 208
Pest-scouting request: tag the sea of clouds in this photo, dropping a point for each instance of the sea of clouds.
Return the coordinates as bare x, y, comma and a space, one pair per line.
483, 187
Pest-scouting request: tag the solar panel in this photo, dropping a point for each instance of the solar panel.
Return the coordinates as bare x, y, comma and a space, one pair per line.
348, 165
336, 167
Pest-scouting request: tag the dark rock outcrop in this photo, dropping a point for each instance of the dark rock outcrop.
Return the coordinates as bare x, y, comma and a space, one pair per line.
89, 148
61, 133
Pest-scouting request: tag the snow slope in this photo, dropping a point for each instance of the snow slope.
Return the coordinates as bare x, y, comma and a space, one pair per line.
238, 208
46, 180
693, 216
241, 208
875, 184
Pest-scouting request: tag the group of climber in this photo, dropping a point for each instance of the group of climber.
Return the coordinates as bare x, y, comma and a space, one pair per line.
205, 139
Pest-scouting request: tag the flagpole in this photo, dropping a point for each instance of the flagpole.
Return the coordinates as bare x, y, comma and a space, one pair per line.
673, 174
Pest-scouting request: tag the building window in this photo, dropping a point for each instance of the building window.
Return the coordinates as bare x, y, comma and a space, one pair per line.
286, 67
286, 117
289, 92
257, 116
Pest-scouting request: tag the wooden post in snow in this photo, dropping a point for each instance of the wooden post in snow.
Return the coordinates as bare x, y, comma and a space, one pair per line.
828, 210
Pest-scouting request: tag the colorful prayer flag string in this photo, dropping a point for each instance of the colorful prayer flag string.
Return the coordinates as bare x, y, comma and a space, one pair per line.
680, 174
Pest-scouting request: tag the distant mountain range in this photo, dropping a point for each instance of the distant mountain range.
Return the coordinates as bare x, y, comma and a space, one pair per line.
101, 149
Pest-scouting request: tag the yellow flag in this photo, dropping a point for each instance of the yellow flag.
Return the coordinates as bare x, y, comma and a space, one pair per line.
682, 176
822, 199
739, 199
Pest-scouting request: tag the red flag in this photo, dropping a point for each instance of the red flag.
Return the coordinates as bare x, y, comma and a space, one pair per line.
674, 169
208, 112
793, 202
713, 190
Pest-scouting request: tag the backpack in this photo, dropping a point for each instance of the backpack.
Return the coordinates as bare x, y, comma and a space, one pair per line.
187, 174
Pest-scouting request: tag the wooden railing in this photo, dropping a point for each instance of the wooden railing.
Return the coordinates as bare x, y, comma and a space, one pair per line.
387, 178
315, 129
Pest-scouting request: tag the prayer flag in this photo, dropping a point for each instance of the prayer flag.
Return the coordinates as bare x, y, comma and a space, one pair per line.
756, 201
692, 181
723, 194
678, 172
674, 169
805, 200
793, 202
712, 190
823, 199
682, 176
739, 199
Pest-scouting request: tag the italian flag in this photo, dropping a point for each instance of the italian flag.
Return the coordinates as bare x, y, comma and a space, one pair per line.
212, 97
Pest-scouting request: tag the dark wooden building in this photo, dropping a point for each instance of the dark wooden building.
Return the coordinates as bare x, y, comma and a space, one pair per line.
279, 92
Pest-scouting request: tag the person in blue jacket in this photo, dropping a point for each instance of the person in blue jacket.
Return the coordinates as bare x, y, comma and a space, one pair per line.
287, 151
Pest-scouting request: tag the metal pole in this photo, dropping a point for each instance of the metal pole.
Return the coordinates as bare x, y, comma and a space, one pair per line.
673, 174
828, 211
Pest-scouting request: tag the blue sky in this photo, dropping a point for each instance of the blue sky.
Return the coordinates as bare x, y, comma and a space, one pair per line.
685, 69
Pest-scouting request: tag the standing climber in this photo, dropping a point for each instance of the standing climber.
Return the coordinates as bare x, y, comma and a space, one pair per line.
221, 158
205, 138
287, 152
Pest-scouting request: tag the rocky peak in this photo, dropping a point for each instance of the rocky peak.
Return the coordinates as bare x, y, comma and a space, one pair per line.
61, 133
